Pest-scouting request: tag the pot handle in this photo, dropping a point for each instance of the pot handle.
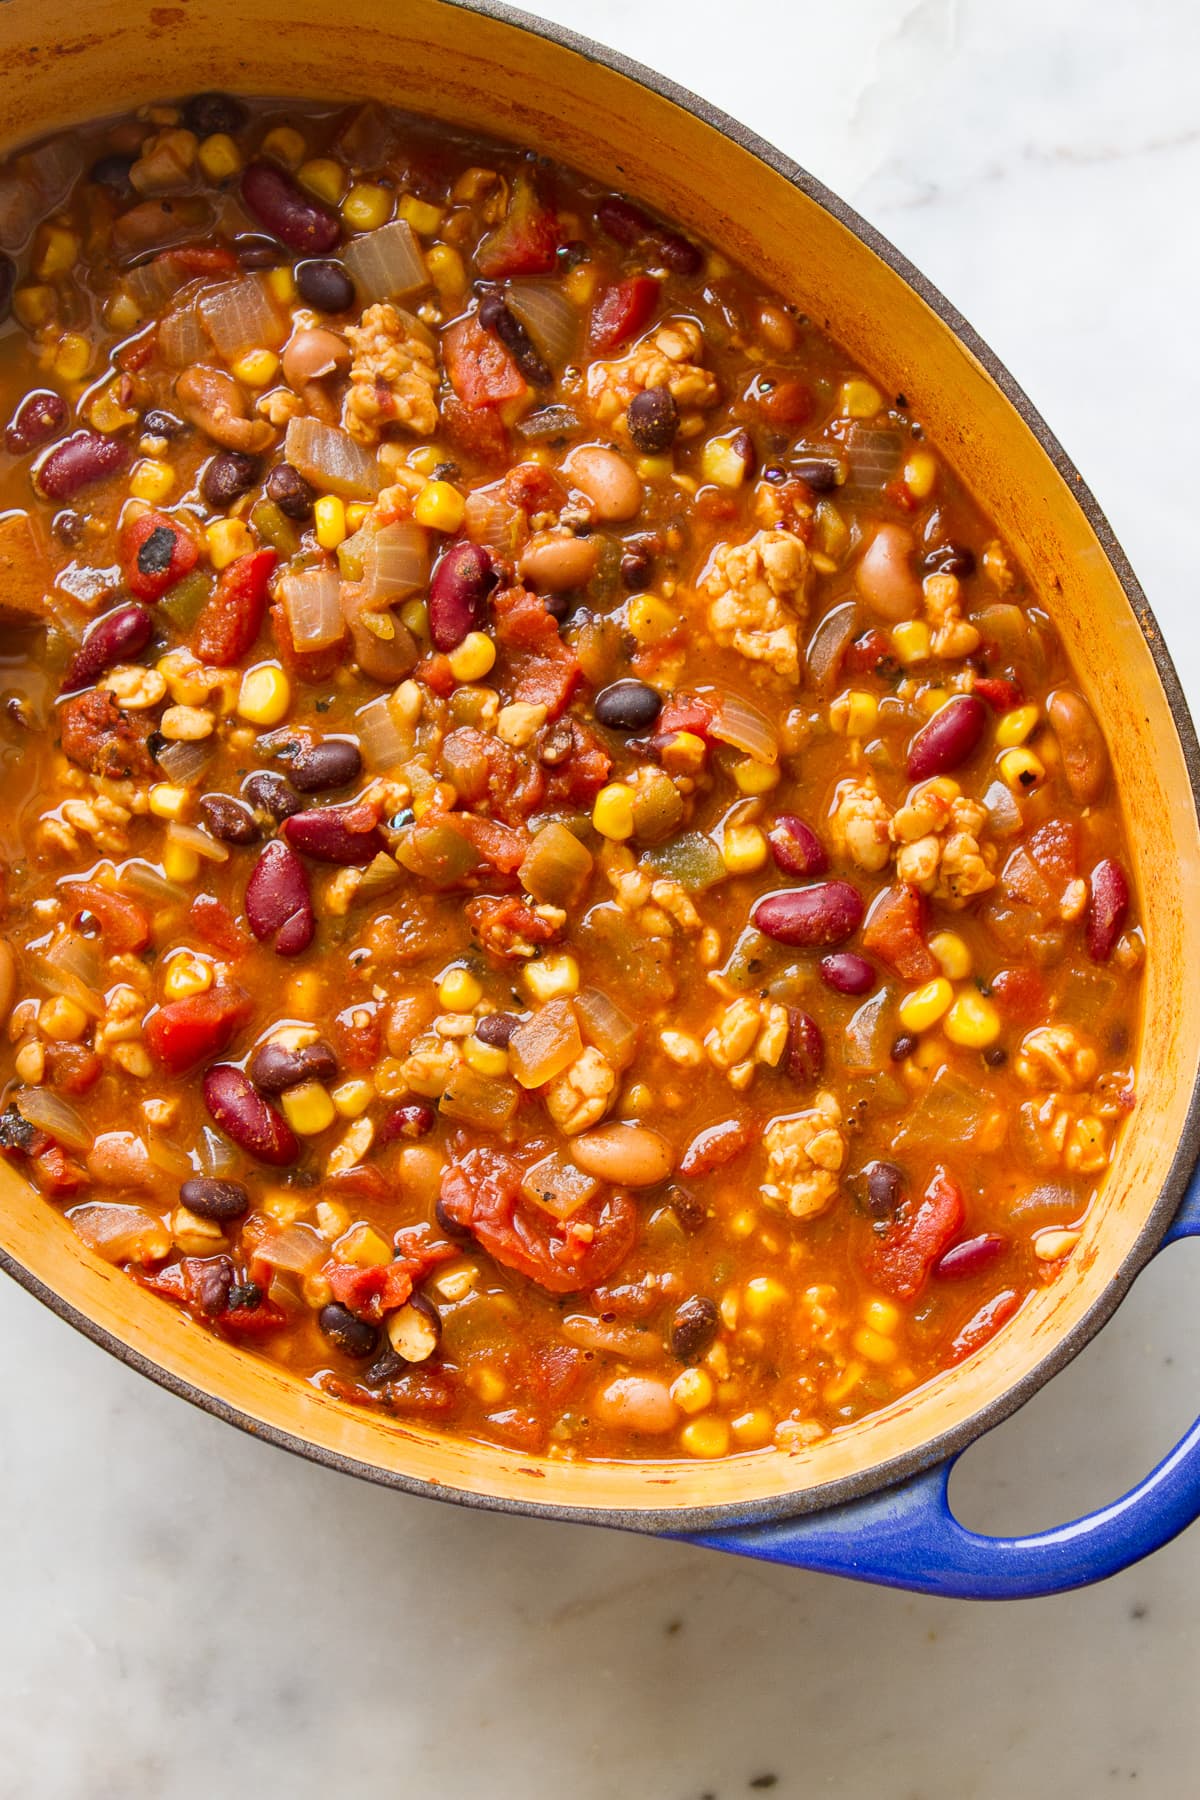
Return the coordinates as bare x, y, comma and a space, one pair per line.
907, 1536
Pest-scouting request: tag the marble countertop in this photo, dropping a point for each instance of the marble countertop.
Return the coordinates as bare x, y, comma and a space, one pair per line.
187, 1612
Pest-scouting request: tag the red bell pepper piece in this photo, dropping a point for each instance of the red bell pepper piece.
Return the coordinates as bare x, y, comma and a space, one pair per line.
233, 614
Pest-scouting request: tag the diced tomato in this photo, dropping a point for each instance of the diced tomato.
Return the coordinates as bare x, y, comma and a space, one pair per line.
357, 1035
156, 552
194, 260
999, 693
381, 1287
251, 1321
716, 1146
526, 240
535, 489
124, 925
543, 671
216, 925
900, 1262
1054, 847
482, 1192
520, 1429
481, 371
622, 311
578, 778
475, 431
186, 1032
984, 1324
506, 926
435, 671
487, 772
786, 402
498, 844
167, 1281
136, 353
557, 1372
713, 503
1019, 994
98, 736
895, 933
72, 1068
870, 653
233, 614
57, 1173
691, 715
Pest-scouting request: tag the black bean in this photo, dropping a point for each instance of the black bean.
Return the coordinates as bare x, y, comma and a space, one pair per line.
950, 559
694, 1328
496, 1029
287, 488
687, 1207
206, 114
818, 473
323, 282
653, 420
69, 528
637, 565
385, 1368
271, 794
504, 324
628, 706
160, 423
995, 1056
212, 1199
329, 764
352, 1336
228, 476
274, 1069
228, 820
255, 252
884, 1188
903, 1046
742, 445
112, 172
213, 1284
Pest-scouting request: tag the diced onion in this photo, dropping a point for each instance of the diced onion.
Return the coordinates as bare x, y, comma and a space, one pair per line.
311, 602
870, 1032
215, 1154
331, 459
483, 1101
384, 738
150, 882
742, 725
829, 641
240, 315
168, 1157
62, 981
558, 1187
874, 456
181, 761
50, 1113
612, 1031
386, 263
294, 1247
543, 1046
493, 521
73, 954
396, 563
190, 837
153, 283
54, 167
121, 1233
1002, 810
181, 338
548, 316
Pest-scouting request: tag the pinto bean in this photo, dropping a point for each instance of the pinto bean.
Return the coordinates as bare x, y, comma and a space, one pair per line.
312, 355
120, 1159
815, 917
117, 637
242, 1114
458, 593
216, 405
796, 847
78, 462
209, 1198
950, 738
281, 208
35, 422
1084, 756
639, 1403
347, 835
608, 481
1108, 905
384, 659
274, 1068
805, 1055
278, 903
626, 1155
884, 576
555, 562
847, 973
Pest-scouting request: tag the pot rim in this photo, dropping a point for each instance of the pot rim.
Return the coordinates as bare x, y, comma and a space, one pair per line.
952, 1442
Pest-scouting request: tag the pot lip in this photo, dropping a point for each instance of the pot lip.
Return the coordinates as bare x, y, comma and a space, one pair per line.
946, 1445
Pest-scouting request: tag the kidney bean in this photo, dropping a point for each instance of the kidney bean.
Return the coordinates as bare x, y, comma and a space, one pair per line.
78, 461
208, 113
608, 481
347, 835
351, 1335
971, 1257
274, 1068
694, 1328
949, 739
796, 847
496, 1029
805, 1055
281, 208
495, 316
247, 1118
228, 476
413, 1120
847, 973
118, 636
885, 1188
715, 1146
329, 764
652, 420
628, 224
290, 492
1084, 756
1108, 904
212, 1199
35, 421
278, 903
458, 592
628, 706
814, 917
228, 820
324, 284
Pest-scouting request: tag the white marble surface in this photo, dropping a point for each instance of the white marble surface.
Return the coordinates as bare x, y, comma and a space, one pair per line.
187, 1613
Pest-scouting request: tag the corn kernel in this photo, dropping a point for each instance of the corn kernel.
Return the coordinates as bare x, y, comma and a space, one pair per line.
425, 458
35, 305
952, 953
308, 1109
459, 991
305, 994
474, 658
882, 1316
324, 178
651, 619
256, 367
1012, 728
743, 1224
972, 1022
285, 144
911, 642
105, 412
923, 1008
423, 217
753, 777
356, 512
931, 701
485, 1059
282, 284
439, 506
762, 1295
446, 270
364, 1246
744, 849
873, 1346
30, 1063
121, 312
920, 474
1021, 770
367, 207
853, 713
489, 1385
227, 539
928, 1054
186, 975
580, 285
723, 463
692, 1390
414, 616
551, 977
859, 400
655, 468
265, 695
167, 801
54, 251
705, 1437
353, 1097
844, 1383
61, 1019
752, 1429
73, 358
1049, 1246
180, 862
152, 481
329, 514
219, 157
684, 752
612, 812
